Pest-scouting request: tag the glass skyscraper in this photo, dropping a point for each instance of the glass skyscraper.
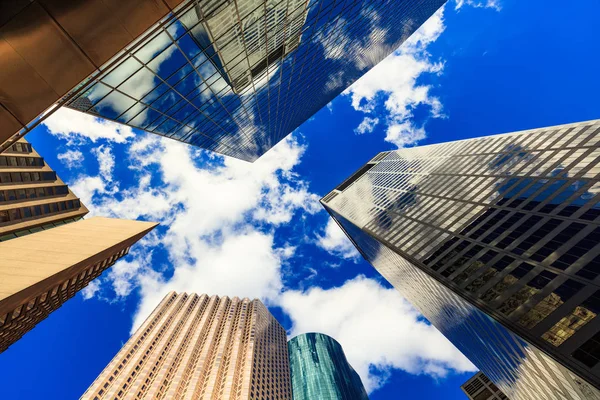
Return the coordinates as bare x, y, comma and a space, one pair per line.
237, 76
479, 387
496, 240
319, 370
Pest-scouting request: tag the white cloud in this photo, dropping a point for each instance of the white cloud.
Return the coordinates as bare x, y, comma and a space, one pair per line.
106, 161
404, 134
91, 289
70, 125
395, 78
377, 328
336, 242
367, 125
494, 4
71, 158
218, 218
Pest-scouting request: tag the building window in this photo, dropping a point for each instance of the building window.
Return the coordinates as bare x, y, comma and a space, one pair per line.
589, 352
569, 325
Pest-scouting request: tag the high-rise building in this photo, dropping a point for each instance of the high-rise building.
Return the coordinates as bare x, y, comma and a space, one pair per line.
319, 370
496, 240
479, 387
231, 76
32, 196
196, 346
48, 48
39, 272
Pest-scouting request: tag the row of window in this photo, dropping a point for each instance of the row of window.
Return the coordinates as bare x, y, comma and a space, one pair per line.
19, 148
25, 177
16, 214
32, 193
44, 227
8, 161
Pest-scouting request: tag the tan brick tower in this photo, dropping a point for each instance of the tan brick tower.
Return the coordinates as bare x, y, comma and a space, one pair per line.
32, 197
39, 272
200, 347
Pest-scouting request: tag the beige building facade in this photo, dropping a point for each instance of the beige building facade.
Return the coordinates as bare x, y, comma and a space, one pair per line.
39, 272
32, 197
200, 347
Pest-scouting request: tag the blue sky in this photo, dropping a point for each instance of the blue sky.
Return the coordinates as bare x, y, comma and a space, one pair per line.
257, 230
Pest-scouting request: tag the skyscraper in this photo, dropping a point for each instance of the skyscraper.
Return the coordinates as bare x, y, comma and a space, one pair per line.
496, 241
50, 47
196, 345
39, 272
319, 370
231, 76
479, 387
32, 196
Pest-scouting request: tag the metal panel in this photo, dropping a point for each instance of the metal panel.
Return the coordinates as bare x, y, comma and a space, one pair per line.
8, 124
45, 47
137, 15
93, 25
173, 3
10, 8
22, 91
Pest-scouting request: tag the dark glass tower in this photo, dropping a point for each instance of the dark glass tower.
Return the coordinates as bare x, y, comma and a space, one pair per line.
237, 76
319, 370
496, 240
479, 387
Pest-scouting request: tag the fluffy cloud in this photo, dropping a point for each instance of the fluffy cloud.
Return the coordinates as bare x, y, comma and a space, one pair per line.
106, 161
335, 241
494, 4
395, 79
367, 125
377, 328
71, 158
71, 125
217, 215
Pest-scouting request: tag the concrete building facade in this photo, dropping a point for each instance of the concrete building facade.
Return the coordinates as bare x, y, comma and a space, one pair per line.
32, 196
39, 272
196, 346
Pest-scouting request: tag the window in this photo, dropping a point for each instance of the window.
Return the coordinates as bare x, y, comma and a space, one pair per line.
569, 325
4, 216
550, 303
26, 212
15, 214
589, 352
526, 292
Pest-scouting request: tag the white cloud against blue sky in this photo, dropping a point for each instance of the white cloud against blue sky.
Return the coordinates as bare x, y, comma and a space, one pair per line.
222, 220
229, 227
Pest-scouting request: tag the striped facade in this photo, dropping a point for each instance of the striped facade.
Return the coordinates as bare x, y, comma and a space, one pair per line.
39, 272
32, 196
200, 347
496, 240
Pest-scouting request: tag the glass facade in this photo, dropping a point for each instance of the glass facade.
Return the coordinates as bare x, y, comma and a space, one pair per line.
319, 370
237, 76
479, 387
496, 241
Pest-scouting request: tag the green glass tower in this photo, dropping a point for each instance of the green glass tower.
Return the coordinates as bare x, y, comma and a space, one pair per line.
319, 370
